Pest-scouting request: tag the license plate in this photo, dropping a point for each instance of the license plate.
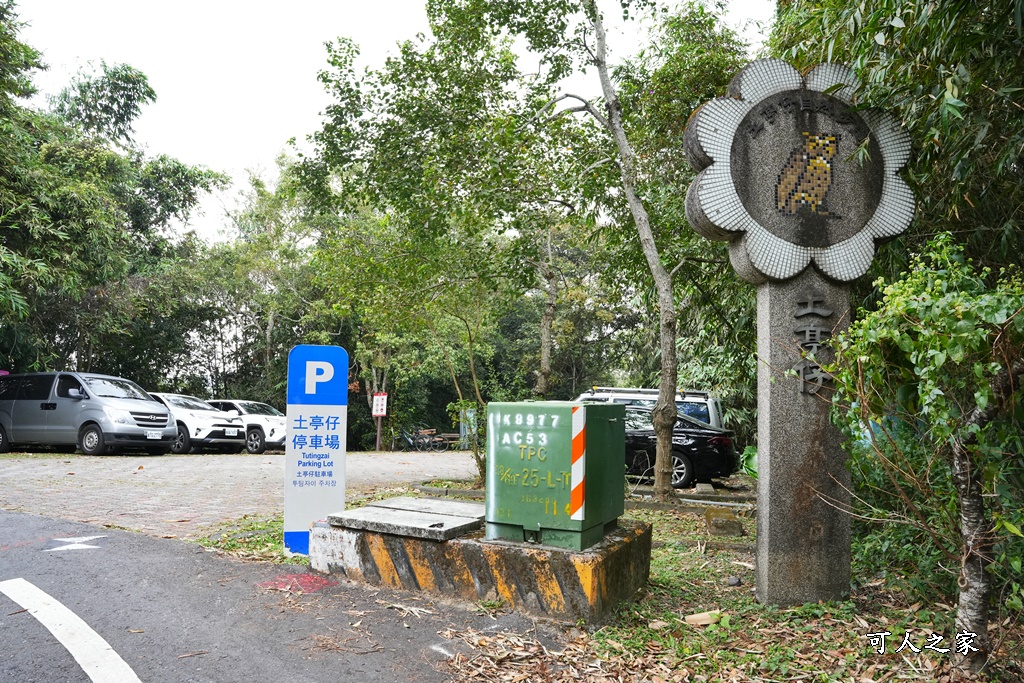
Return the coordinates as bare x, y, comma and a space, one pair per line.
230, 432
153, 434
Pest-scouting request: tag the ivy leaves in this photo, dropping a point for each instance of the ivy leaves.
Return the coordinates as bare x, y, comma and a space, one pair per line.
939, 336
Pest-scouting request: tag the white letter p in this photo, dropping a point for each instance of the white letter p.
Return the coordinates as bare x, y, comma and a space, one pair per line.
317, 371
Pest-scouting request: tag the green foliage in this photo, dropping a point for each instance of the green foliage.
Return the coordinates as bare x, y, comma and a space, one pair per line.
816, 641
933, 369
690, 59
27, 236
263, 296
106, 104
474, 194
903, 537
161, 189
18, 59
462, 160
748, 461
951, 72
940, 335
82, 226
491, 606
477, 195
474, 416
918, 376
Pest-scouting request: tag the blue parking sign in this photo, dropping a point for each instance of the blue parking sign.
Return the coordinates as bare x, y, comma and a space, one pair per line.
318, 375
317, 420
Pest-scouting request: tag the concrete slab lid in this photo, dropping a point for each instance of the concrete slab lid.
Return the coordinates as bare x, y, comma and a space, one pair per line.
455, 508
431, 526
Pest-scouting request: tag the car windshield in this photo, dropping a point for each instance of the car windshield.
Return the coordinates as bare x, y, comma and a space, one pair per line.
698, 410
187, 402
254, 408
692, 421
638, 419
113, 387
641, 419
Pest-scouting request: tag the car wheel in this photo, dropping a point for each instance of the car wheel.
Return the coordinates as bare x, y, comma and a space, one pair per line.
5, 445
254, 441
682, 471
90, 440
182, 442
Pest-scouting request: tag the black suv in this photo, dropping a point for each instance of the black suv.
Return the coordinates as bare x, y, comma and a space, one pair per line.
699, 451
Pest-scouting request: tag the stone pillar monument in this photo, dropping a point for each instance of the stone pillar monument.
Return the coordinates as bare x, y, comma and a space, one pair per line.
802, 185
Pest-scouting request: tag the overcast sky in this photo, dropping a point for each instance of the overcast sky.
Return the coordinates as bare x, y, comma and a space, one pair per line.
234, 79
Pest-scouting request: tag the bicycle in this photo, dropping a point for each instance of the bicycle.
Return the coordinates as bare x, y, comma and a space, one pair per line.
404, 441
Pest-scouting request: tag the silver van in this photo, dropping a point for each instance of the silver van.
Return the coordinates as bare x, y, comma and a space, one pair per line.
699, 405
97, 413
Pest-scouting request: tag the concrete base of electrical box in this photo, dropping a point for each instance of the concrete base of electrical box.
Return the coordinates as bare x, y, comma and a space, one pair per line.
437, 546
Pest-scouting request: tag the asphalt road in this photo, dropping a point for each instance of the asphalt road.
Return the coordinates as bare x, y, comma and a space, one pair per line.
170, 610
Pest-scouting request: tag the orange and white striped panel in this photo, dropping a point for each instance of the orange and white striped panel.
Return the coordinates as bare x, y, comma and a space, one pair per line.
577, 500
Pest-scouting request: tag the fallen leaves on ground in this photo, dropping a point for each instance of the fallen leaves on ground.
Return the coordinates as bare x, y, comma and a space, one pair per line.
512, 657
353, 642
406, 610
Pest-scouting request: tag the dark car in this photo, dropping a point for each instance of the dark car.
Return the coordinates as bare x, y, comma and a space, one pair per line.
699, 451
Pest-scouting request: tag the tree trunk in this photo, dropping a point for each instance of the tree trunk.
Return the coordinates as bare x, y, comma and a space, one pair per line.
664, 414
378, 382
976, 555
547, 321
479, 456
470, 336
447, 360
976, 530
268, 334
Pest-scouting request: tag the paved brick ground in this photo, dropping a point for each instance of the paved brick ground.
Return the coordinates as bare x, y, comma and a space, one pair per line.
180, 495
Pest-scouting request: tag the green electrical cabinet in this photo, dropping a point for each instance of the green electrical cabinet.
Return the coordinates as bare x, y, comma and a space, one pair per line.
555, 472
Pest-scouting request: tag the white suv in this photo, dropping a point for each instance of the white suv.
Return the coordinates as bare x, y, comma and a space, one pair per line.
699, 405
264, 424
201, 426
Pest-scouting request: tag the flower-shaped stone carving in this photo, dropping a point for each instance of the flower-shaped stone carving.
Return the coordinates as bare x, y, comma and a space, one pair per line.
792, 174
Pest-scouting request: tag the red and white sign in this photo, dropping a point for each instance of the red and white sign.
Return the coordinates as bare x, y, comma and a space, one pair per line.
380, 405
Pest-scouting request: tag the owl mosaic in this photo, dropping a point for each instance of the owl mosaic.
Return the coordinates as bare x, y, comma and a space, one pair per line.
807, 175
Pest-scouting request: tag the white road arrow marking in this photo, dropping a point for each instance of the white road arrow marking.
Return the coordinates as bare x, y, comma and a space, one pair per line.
75, 543
97, 659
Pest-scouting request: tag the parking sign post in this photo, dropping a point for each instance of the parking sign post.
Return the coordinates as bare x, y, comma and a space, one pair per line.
317, 417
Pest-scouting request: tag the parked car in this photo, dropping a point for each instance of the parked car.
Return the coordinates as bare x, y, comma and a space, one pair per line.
201, 426
699, 451
699, 405
264, 424
96, 413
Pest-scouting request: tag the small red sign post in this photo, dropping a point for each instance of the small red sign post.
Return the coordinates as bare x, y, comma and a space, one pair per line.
379, 410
